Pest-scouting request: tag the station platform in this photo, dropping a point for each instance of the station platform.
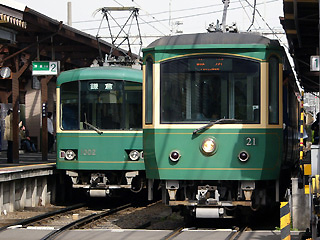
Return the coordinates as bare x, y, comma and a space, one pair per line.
26, 159
30, 182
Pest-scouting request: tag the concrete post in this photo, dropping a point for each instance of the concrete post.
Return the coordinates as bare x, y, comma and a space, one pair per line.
44, 191
34, 193
12, 196
23, 195
300, 207
1, 198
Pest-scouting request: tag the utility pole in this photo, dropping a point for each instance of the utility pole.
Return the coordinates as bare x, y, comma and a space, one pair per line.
69, 15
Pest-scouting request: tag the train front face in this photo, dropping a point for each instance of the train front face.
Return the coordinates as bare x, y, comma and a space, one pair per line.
99, 129
212, 126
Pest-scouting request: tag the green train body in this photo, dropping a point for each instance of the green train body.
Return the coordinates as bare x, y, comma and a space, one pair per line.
99, 129
220, 127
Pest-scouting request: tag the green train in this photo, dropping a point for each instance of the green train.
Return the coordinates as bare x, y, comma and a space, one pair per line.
220, 125
99, 129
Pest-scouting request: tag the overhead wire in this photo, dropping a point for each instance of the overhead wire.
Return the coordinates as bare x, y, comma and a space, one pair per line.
159, 13
183, 10
150, 15
267, 24
253, 14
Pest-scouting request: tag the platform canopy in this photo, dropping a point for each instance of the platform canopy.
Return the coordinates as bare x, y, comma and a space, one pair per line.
26, 33
300, 22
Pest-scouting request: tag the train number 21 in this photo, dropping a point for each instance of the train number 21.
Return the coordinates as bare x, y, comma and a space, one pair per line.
250, 141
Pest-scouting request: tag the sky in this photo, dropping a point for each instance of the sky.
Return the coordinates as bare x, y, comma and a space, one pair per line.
165, 17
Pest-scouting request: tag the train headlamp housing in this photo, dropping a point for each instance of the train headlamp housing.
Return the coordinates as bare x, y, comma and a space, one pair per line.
174, 156
70, 155
208, 146
134, 155
243, 156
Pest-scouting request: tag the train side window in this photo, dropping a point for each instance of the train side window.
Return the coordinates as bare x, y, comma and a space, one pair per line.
149, 91
273, 90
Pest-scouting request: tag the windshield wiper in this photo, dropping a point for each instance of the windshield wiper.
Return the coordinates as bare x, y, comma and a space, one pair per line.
93, 127
211, 123
90, 125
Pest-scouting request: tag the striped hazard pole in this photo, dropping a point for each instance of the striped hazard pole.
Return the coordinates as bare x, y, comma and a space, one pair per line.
285, 221
301, 128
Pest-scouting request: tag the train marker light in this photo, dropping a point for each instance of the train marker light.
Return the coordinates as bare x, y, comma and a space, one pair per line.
134, 155
243, 156
62, 154
208, 146
70, 155
174, 156
141, 155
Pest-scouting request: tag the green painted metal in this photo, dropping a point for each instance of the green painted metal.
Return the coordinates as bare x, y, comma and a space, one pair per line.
100, 152
105, 151
115, 73
263, 145
258, 52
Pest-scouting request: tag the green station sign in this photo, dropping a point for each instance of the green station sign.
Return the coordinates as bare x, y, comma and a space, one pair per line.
40, 68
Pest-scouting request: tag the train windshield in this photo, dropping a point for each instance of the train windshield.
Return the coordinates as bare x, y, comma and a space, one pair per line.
208, 88
101, 104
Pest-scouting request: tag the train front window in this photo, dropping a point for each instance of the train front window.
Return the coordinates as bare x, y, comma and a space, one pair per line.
201, 89
101, 104
69, 93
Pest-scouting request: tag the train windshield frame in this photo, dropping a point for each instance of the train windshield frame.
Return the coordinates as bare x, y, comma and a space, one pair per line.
102, 104
198, 89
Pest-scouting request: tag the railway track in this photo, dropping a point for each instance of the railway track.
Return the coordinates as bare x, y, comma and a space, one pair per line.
83, 221
39, 218
234, 235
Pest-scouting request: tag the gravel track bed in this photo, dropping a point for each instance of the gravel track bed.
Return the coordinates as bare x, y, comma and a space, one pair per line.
154, 216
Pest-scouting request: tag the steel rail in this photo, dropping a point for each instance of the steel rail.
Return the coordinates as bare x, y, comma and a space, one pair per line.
43, 216
173, 234
83, 221
236, 235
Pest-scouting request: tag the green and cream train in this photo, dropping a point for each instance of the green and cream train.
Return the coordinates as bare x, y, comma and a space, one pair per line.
99, 129
220, 126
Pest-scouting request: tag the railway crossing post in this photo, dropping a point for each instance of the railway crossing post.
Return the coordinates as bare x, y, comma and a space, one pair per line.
285, 221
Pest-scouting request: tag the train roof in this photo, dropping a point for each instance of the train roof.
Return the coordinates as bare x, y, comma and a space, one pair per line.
214, 38
110, 72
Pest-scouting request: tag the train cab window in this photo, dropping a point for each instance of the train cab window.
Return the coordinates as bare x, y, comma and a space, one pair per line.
201, 89
101, 104
133, 105
273, 90
110, 104
149, 91
69, 101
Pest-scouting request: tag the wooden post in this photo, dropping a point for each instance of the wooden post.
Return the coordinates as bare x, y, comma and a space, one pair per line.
15, 119
44, 104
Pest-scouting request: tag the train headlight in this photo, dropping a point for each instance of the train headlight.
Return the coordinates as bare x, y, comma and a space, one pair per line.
208, 146
70, 155
174, 156
134, 155
243, 156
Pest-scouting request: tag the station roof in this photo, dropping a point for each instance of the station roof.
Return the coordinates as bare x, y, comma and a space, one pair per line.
300, 22
27, 35
55, 39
